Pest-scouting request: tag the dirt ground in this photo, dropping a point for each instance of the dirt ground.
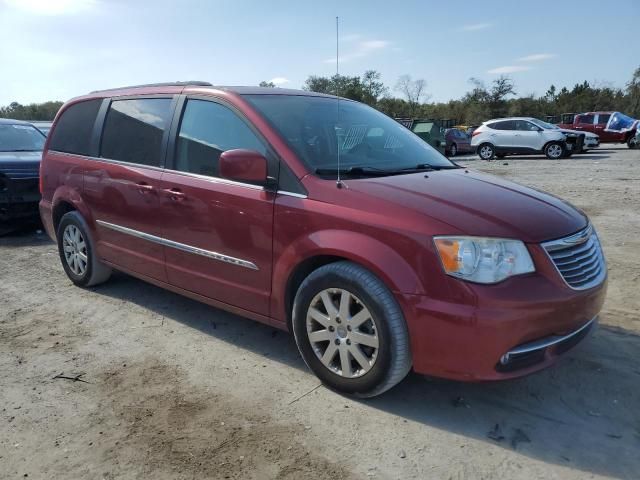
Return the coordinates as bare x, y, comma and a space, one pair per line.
169, 388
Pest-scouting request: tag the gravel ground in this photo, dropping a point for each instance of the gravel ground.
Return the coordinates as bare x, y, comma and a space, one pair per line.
169, 388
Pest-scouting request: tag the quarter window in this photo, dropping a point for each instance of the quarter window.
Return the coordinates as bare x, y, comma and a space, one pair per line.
208, 129
134, 129
74, 128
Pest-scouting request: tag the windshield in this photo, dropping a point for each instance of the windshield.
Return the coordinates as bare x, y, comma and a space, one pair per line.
20, 138
367, 139
545, 125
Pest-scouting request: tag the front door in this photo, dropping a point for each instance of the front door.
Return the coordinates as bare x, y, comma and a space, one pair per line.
528, 136
121, 188
219, 232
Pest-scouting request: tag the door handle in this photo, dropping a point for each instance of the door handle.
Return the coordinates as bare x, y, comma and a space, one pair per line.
144, 187
174, 194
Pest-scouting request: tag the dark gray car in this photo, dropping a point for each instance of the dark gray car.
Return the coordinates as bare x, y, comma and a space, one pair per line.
21, 147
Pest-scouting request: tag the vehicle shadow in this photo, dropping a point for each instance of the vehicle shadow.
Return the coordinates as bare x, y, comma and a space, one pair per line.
22, 235
582, 413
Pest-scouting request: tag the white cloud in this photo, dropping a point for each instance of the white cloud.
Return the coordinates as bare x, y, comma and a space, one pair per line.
50, 7
361, 49
509, 69
277, 81
475, 27
537, 57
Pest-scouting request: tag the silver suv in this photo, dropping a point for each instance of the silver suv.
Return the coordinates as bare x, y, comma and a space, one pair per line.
518, 135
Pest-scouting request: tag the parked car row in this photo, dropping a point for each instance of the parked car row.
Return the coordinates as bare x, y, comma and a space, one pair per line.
611, 127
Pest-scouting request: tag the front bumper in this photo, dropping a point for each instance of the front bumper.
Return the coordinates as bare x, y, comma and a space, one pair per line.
469, 341
18, 198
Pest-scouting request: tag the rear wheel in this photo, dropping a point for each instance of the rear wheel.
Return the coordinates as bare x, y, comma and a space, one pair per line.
554, 151
77, 252
350, 330
486, 151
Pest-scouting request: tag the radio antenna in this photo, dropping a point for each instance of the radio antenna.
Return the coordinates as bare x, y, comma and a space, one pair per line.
338, 181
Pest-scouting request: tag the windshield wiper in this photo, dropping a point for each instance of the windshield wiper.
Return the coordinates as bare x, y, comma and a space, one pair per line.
426, 167
353, 171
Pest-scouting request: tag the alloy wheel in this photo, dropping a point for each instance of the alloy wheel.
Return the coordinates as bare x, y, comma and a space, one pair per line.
75, 250
486, 152
342, 333
555, 151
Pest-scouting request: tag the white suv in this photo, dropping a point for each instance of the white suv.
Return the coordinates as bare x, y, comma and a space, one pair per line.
518, 135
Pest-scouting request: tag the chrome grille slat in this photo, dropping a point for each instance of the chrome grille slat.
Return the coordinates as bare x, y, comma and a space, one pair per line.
587, 254
582, 273
578, 258
580, 266
558, 255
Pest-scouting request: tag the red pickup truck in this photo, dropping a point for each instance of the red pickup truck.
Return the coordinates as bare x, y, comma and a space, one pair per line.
598, 123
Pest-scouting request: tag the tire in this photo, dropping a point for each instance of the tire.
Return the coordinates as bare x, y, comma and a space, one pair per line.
453, 150
632, 142
486, 151
365, 300
75, 241
554, 150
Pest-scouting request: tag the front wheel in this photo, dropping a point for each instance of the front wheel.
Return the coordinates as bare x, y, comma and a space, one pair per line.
350, 330
632, 142
486, 151
554, 151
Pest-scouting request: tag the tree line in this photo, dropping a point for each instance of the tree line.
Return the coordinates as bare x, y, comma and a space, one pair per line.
410, 98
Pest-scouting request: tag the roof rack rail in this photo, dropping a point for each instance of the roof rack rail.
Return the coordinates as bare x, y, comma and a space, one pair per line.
194, 83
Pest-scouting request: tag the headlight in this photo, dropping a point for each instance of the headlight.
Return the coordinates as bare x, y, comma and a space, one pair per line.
483, 260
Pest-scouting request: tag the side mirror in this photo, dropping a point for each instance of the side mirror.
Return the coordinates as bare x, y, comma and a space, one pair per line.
242, 165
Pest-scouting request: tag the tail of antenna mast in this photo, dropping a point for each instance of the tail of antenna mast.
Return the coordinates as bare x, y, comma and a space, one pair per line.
338, 181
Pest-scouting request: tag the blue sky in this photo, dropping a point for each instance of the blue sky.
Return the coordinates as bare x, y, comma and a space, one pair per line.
57, 49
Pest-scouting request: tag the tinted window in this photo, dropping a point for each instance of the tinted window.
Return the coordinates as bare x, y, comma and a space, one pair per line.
603, 119
523, 125
20, 138
208, 129
133, 130
316, 130
423, 127
503, 125
74, 128
585, 119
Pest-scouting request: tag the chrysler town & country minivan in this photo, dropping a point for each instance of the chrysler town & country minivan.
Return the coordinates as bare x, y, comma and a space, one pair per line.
324, 217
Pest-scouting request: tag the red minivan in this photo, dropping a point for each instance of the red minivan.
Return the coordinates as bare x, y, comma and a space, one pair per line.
324, 217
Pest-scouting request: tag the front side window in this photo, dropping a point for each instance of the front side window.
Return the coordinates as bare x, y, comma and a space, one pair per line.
133, 130
523, 125
316, 131
207, 129
603, 118
20, 138
74, 128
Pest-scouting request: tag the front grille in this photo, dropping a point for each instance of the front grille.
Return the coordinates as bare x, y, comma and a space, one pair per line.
579, 259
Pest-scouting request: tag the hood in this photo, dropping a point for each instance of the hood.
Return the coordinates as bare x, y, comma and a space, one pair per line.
472, 203
578, 132
20, 164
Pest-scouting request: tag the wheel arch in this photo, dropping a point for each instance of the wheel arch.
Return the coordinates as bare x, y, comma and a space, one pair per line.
307, 254
67, 199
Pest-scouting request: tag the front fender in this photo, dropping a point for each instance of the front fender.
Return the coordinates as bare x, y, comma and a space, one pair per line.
377, 257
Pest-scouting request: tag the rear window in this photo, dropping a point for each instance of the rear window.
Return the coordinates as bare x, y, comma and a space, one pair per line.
20, 138
133, 130
74, 128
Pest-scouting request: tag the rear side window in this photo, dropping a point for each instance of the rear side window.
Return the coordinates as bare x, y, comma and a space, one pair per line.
208, 129
74, 128
588, 119
503, 125
133, 130
423, 127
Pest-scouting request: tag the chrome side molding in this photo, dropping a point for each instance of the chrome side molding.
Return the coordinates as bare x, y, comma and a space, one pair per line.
179, 246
